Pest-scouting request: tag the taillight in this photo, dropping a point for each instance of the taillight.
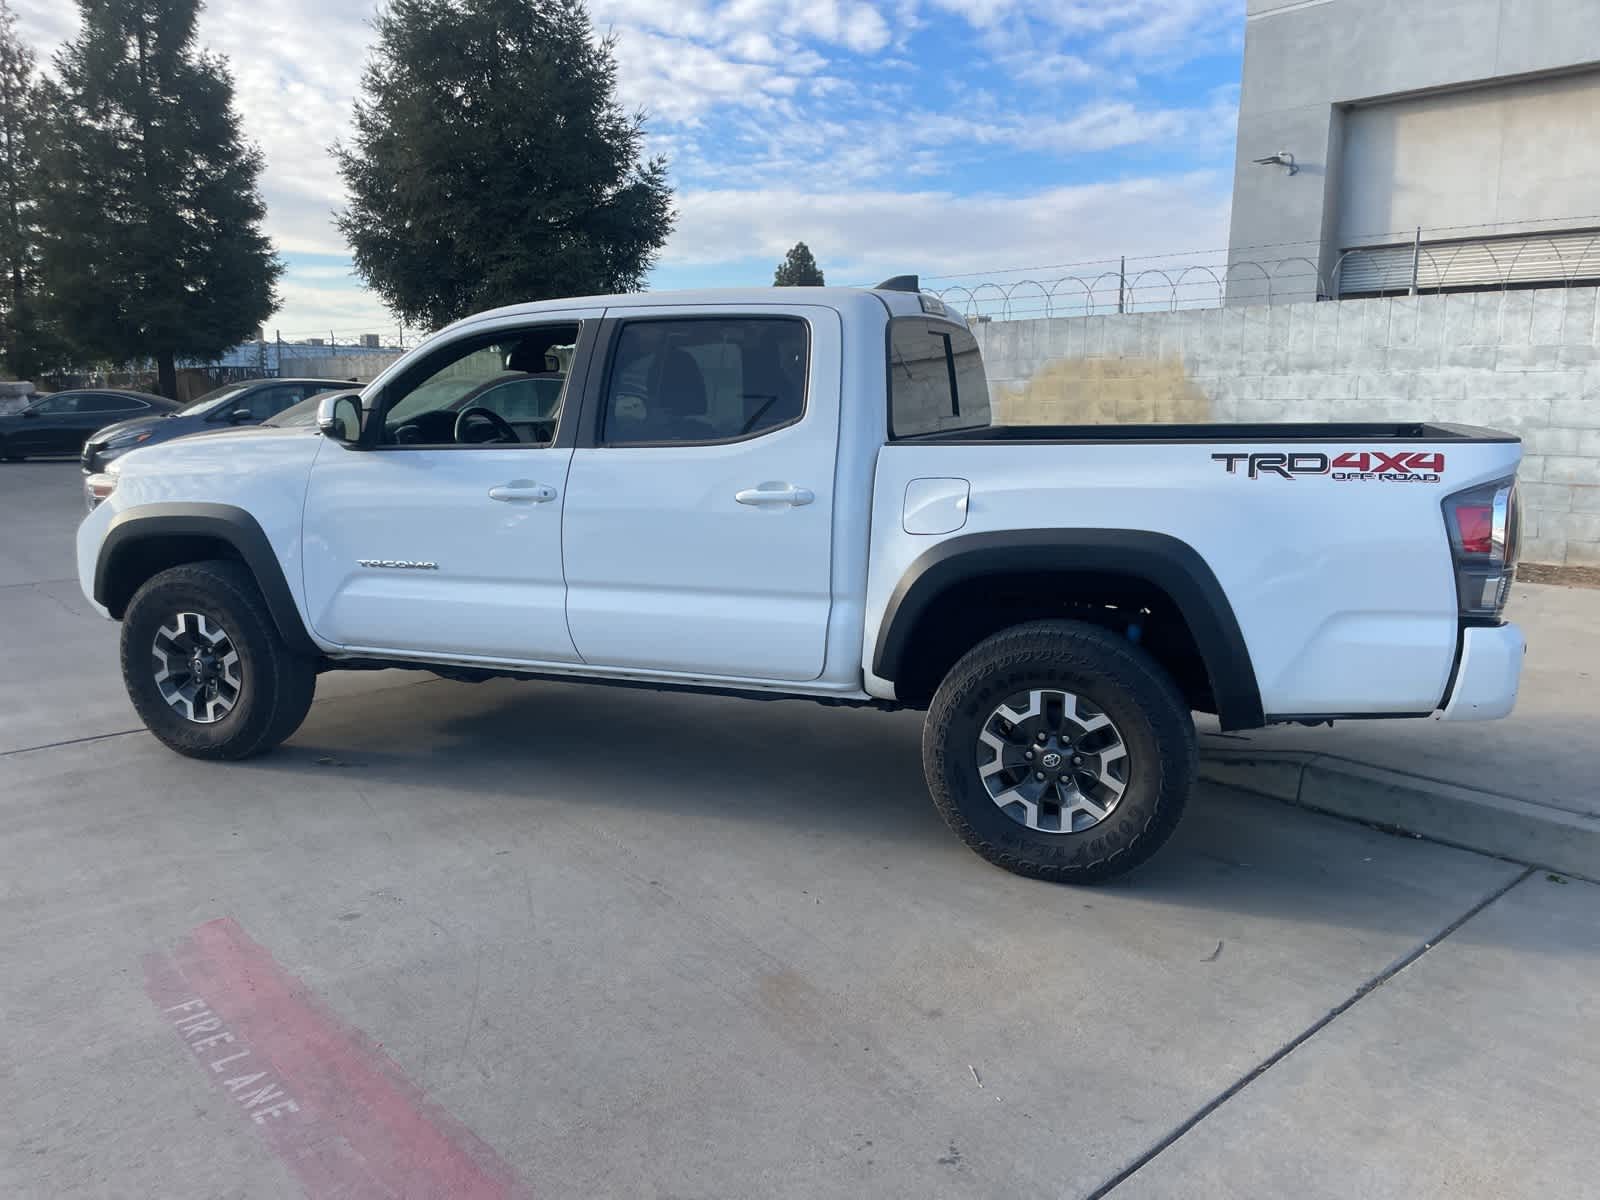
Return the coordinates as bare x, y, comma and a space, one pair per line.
1485, 528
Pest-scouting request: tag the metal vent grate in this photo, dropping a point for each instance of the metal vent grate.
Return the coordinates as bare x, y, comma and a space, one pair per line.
1544, 258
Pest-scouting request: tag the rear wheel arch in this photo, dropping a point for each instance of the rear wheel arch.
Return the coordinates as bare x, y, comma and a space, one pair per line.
968, 588
146, 540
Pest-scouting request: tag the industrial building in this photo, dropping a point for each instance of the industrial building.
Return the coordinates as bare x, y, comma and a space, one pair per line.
1391, 146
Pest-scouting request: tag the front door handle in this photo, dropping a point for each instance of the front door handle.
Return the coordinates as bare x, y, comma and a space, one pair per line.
775, 493
524, 490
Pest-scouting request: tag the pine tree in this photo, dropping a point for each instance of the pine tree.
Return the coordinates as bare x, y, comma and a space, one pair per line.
26, 344
798, 269
492, 164
153, 245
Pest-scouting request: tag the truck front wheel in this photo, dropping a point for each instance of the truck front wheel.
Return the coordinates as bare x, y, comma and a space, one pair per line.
205, 666
1060, 751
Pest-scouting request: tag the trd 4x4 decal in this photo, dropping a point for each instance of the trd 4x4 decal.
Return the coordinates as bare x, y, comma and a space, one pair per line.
1400, 466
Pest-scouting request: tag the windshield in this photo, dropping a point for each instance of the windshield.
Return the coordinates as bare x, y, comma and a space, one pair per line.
212, 399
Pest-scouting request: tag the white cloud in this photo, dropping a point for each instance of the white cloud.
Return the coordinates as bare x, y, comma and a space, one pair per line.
44, 23
853, 24
775, 127
1049, 68
1165, 28
295, 70
679, 82
780, 146
313, 311
861, 236
1149, 32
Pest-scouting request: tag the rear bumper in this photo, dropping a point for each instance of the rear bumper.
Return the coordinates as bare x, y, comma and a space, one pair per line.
1487, 676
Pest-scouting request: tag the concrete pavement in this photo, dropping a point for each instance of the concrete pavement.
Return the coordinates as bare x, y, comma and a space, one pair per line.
480, 953
1420, 1090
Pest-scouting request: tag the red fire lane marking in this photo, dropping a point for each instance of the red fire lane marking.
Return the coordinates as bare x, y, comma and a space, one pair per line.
325, 1097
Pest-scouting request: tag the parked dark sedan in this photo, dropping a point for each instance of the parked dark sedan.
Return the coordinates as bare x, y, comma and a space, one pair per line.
247, 403
59, 423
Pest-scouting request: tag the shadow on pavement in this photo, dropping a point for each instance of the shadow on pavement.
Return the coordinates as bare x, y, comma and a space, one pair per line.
633, 760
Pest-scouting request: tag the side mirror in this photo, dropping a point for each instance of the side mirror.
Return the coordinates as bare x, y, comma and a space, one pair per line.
31, 414
239, 415
339, 417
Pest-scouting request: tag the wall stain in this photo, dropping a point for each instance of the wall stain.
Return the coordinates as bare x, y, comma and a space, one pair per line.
1106, 391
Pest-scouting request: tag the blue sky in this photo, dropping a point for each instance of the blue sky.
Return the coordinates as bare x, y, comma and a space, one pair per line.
952, 138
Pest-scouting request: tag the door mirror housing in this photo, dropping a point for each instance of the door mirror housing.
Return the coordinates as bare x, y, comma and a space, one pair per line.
339, 416
31, 414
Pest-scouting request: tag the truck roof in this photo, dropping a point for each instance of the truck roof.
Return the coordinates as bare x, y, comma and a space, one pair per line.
899, 303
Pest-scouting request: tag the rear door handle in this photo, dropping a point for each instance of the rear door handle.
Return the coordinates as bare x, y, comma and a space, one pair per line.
775, 493
524, 490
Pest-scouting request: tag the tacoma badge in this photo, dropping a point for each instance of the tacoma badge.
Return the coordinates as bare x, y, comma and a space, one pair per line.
399, 564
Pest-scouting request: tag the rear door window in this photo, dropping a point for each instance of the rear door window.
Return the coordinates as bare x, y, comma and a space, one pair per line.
104, 402
936, 378
694, 380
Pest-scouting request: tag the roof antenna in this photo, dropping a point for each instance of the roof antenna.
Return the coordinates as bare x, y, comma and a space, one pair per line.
900, 283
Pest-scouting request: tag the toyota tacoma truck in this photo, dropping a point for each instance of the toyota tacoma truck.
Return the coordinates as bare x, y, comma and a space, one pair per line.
806, 493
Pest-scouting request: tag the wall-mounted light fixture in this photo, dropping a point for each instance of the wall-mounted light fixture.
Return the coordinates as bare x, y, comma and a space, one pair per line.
1281, 159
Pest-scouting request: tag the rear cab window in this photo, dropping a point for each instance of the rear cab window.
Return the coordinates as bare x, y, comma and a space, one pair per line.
936, 378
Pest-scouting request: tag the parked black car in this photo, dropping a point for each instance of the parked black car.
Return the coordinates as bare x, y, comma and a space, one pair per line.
247, 403
59, 423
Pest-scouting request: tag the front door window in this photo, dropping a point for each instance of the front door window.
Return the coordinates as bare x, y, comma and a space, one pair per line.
506, 387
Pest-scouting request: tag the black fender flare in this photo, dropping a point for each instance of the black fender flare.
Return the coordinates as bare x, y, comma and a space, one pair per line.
1157, 559
223, 522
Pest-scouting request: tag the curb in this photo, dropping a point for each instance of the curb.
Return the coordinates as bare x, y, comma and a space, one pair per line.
1489, 823
1568, 576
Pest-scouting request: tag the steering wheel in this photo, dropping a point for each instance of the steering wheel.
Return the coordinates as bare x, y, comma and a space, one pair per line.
499, 425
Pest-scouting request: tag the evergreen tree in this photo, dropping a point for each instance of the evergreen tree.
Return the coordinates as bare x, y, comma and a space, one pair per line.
492, 164
25, 341
798, 269
153, 245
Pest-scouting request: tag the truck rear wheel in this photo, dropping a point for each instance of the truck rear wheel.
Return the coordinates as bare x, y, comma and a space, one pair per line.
1060, 751
205, 666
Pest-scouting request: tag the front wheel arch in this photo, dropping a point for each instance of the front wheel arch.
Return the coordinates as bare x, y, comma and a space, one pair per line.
143, 541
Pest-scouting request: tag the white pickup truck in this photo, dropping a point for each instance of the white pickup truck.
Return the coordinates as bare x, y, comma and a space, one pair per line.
803, 493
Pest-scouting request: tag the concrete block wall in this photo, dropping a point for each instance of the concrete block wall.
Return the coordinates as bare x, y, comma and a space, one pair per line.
1527, 362
363, 368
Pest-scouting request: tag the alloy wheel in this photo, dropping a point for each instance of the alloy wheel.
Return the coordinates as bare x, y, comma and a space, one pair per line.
197, 668
1052, 761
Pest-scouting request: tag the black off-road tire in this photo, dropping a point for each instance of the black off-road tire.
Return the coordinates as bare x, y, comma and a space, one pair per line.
277, 685
1117, 678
